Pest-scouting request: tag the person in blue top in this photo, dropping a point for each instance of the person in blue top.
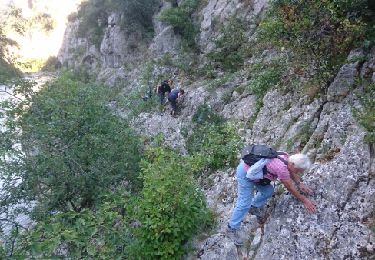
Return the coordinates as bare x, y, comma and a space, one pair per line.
173, 97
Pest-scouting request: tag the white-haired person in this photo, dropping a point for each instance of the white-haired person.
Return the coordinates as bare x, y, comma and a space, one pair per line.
285, 168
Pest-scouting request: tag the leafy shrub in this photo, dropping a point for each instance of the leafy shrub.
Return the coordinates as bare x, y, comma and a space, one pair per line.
102, 233
324, 31
214, 146
264, 76
90, 13
214, 143
7, 68
205, 115
231, 47
220, 81
140, 97
7, 71
67, 154
185, 62
181, 19
137, 14
366, 114
51, 64
134, 103
171, 209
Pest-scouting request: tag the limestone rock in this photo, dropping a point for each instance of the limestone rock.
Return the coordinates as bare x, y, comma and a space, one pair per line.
216, 12
244, 109
343, 82
154, 124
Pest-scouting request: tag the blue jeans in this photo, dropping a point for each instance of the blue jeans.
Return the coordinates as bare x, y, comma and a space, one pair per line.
173, 103
245, 196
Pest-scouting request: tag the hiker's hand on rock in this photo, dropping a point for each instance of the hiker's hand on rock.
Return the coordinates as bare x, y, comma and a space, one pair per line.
304, 188
309, 205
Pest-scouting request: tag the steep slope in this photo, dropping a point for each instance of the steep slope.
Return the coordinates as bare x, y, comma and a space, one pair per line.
321, 124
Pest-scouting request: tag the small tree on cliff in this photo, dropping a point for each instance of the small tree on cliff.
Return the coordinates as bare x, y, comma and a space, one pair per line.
62, 146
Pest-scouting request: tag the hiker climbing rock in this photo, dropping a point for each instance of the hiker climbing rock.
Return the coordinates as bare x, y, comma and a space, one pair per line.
164, 87
260, 165
173, 97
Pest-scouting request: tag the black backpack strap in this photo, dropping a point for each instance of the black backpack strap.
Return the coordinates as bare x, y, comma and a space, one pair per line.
282, 159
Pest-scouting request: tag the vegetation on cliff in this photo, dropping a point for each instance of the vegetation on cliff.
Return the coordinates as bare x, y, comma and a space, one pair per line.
136, 17
79, 165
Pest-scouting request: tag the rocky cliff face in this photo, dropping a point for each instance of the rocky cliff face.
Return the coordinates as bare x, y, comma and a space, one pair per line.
217, 11
119, 51
324, 126
342, 175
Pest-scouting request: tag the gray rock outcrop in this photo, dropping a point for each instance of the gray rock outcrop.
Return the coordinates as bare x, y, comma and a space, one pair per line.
342, 175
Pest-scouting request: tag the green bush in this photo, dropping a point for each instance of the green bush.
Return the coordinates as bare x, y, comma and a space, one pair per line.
141, 98
137, 14
93, 17
73, 146
171, 210
205, 115
181, 19
7, 68
320, 31
102, 233
137, 104
366, 114
217, 82
231, 46
214, 146
7, 71
51, 64
214, 143
263, 77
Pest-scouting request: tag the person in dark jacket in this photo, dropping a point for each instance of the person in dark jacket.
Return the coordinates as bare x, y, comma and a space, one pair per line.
173, 98
164, 87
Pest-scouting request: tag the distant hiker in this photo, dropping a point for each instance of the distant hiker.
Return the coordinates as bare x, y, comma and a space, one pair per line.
173, 98
277, 165
164, 87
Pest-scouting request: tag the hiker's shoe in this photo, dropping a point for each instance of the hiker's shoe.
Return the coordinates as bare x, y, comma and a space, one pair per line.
235, 236
260, 213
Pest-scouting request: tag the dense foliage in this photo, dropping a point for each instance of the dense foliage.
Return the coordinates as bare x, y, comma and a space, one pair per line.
100, 233
67, 159
7, 69
263, 77
66, 154
213, 142
231, 46
180, 17
171, 209
321, 32
366, 114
